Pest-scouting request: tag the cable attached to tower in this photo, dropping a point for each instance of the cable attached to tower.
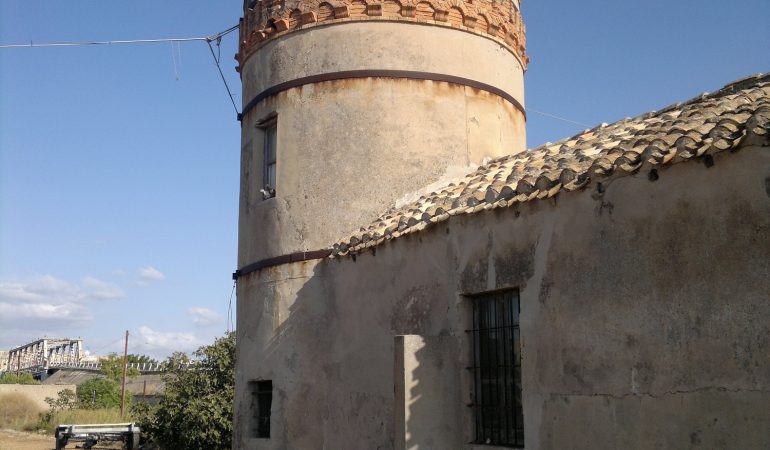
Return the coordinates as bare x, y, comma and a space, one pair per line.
217, 37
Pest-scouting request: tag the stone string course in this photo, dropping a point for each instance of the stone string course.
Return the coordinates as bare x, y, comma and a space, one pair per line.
736, 115
267, 19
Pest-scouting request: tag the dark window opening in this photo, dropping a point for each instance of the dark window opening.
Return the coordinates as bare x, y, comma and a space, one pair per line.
261, 402
496, 369
270, 144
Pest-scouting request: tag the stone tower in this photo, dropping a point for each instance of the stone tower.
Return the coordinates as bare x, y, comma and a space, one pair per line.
363, 103
348, 107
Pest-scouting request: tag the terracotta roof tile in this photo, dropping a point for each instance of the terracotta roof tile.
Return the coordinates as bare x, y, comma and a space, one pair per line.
710, 123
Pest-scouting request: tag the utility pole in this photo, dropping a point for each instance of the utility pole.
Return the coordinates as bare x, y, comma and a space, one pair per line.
123, 387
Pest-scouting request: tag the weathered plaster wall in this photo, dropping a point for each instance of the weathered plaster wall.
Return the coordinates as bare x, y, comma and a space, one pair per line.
348, 149
644, 319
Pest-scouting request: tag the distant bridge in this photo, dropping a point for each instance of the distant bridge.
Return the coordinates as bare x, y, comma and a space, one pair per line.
97, 366
46, 354
142, 368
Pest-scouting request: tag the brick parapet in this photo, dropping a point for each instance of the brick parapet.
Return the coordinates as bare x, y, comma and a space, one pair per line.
268, 19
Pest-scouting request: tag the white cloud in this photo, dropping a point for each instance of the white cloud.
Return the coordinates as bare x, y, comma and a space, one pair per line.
39, 289
47, 305
204, 317
157, 342
48, 289
101, 289
151, 273
64, 312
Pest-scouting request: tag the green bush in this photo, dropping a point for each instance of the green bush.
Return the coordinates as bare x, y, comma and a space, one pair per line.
197, 409
22, 378
18, 412
99, 393
112, 367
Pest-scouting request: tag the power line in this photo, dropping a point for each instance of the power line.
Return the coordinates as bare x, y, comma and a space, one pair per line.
125, 41
219, 68
558, 118
230, 326
81, 44
208, 40
96, 352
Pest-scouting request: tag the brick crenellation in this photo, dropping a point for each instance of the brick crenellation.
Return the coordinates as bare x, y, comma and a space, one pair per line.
267, 19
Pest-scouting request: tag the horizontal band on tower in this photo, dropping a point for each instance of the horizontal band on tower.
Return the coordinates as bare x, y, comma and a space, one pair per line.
278, 260
374, 73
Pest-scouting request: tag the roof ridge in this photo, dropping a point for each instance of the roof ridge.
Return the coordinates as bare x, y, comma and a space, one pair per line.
707, 124
745, 82
740, 84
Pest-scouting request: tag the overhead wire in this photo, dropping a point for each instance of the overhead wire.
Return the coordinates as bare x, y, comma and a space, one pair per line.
222, 75
208, 40
557, 117
124, 41
230, 325
80, 44
173, 60
96, 352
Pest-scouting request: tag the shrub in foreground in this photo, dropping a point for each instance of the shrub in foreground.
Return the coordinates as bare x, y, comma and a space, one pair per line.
197, 409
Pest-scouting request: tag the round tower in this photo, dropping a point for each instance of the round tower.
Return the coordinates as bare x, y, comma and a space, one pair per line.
350, 105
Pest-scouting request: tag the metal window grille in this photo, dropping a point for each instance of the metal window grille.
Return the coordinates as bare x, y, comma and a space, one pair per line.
497, 369
261, 402
270, 155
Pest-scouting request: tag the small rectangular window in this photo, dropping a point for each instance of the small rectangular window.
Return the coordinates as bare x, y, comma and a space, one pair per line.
270, 144
261, 402
496, 369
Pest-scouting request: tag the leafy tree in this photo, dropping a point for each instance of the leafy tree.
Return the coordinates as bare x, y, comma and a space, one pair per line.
176, 361
197, 409
104, 392
112, 367
141, 359
22, 378
99, 393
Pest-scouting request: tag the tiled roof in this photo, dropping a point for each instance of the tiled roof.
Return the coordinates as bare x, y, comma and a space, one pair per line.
708, 124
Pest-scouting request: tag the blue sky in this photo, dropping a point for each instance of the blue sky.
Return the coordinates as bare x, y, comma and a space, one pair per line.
119, 164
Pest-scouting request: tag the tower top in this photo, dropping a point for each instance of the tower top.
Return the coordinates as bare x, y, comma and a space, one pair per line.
499, 21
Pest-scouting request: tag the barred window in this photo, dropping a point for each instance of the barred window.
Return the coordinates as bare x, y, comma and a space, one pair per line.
261, 402
497, 369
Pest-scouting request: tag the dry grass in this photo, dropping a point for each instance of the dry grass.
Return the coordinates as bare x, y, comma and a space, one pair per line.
18, 412
48, 422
